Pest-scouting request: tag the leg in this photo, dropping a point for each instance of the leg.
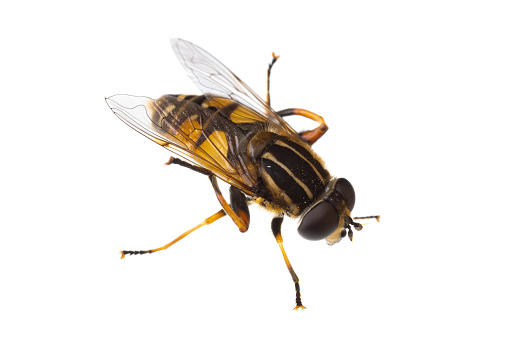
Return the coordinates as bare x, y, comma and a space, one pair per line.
238, 203
274, 59
198, 169
207, 221
238, 207
276, 230
308, 136
238, 210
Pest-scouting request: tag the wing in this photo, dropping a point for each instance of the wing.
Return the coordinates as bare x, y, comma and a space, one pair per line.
221, 86
201, 136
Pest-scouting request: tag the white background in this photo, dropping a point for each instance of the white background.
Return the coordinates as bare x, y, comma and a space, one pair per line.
416, 97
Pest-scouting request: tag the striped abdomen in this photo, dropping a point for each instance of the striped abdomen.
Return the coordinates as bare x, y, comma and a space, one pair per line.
292, 173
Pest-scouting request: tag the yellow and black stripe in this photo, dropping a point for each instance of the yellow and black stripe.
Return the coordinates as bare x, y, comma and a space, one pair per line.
281, 169
293, 174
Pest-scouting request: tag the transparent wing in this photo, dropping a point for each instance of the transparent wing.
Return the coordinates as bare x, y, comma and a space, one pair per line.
216, 81
187, 131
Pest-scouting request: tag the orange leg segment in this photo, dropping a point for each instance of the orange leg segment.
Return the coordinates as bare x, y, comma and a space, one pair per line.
237, 210
313, 135
207, 221
310, 136
241, 219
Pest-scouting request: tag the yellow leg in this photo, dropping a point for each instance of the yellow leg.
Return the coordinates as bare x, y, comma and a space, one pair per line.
207, 221
276, 230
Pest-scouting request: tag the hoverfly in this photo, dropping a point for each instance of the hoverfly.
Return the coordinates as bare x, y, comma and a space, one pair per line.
232, 134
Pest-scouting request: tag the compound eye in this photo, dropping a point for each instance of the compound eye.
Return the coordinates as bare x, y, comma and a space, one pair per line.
319, 222
345, 188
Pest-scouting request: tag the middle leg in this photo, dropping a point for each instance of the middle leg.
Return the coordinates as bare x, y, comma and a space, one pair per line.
238, 210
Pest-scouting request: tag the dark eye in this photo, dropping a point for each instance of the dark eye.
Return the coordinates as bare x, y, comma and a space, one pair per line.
345, 188
319, 222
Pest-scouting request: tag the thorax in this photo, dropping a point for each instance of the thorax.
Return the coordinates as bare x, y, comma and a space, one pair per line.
292, 174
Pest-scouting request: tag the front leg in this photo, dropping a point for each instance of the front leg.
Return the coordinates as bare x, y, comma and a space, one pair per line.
276, 230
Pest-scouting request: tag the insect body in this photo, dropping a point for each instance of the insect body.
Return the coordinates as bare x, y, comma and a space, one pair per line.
232, 134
